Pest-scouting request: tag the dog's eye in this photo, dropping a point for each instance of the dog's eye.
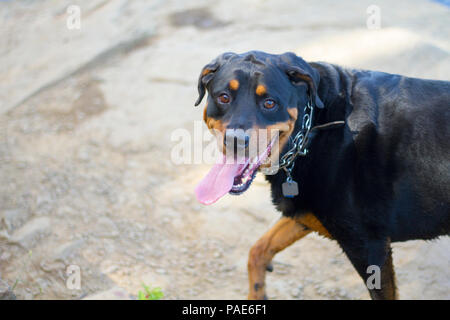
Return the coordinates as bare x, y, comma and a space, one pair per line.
269, 104
224, 98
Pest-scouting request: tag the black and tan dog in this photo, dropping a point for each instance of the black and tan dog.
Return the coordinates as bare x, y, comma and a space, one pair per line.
382, 177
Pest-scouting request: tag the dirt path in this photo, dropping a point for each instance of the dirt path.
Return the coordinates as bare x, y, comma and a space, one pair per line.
85, 141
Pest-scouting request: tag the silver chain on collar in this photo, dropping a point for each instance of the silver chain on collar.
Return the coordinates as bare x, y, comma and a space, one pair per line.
300, 143
287, 161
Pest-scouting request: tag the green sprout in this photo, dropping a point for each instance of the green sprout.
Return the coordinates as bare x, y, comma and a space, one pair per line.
150, 293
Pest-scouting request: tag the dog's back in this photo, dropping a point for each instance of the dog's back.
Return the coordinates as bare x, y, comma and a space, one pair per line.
420, 126
400, 131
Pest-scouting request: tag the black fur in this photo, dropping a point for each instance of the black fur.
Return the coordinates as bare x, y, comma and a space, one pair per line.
386, 175
383, 177
388, 169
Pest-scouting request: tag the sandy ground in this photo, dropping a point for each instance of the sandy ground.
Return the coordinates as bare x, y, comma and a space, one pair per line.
86, 118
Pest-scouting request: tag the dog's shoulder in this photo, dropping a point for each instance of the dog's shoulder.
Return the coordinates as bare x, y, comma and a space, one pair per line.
375, 98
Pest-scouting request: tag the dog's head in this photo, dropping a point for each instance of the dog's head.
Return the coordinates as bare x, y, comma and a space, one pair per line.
254, 101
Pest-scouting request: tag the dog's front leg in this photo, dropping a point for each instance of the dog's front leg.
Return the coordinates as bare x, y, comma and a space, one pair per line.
284, 233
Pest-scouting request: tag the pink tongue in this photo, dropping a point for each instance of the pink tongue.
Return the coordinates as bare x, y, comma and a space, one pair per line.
217, 182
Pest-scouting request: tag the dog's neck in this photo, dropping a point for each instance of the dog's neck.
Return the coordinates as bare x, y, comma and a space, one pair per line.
332, 90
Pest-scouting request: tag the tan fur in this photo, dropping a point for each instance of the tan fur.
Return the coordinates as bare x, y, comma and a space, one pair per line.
284, 233
204, 113
234, 84
261, 89
217, 128
205, 72
285, 130
309, 220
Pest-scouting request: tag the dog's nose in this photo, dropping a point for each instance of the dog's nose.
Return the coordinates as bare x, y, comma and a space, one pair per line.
236, 139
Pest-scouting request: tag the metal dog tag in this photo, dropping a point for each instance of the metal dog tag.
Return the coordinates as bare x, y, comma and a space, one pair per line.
289, 189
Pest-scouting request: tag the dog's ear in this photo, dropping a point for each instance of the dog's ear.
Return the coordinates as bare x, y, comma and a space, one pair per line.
298, 70
207, 74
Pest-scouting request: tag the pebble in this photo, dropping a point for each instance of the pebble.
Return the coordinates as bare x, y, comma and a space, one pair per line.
5, 256
66, 250
191, 292
106, 228
115, 293
297, 292
51, 266
13, 218
6, 292
27, 235
110, 269
65, 211
28, 296
161, 271
83, 153
281, 271
4, 235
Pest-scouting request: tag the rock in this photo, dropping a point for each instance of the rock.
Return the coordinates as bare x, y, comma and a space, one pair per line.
5, 256
115, 293
110, 269
106, 228
184, 250
28, 296
28, 234
64, 251
4, 235
343, 294
44, 204
42, 285
191, 292
65, 210
6, 292
83, 153
161, 271
51, 266
14, 218
296, 292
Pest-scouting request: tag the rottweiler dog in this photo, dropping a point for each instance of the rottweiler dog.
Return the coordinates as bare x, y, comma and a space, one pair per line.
380, 177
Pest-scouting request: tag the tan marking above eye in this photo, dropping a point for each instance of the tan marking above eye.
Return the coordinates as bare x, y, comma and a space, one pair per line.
205, 72
260, 90
234, 84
